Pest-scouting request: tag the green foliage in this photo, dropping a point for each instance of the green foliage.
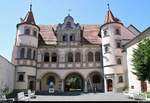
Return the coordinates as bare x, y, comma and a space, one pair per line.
141, 60
74, 82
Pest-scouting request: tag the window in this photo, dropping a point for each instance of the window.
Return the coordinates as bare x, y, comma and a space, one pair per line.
65, 38
22, 51
27, 31
50, 79
117, 31
72, 38
21, 76
29, 53
77, 57
46, 57
35, 33
54, 57
118, 60
34, 53
120, 79
97, 56
70, 57
90, 57
105, 33
106, 48
96, 79
118, 44
68, 25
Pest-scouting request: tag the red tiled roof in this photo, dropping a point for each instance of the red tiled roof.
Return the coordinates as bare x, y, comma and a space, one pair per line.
90, 34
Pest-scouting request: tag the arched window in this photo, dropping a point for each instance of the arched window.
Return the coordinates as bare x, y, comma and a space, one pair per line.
29, 53
22, 51
97, 56
72, 37
70, 57
46, 57
54, 57
50, 79
34, 53
20, 76
120, 79
77, 57
118, 60
90, 57
27, 31
35, 33
65, 38
96, 79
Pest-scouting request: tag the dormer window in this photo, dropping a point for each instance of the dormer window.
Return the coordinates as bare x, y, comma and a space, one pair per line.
68, 25
72, 37
65, 38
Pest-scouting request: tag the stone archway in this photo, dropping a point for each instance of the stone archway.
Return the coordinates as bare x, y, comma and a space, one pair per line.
50, 77
95, 82
74, 82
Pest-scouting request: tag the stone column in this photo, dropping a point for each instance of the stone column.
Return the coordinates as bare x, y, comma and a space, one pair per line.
62, 85
85, 86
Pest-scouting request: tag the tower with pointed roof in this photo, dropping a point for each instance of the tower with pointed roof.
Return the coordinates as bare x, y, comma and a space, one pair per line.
114, 35
25, 52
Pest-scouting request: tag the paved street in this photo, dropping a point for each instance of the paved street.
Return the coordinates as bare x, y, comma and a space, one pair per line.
84, 97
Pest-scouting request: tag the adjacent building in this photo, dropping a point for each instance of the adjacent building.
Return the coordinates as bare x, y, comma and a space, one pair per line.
134, 85
7, 75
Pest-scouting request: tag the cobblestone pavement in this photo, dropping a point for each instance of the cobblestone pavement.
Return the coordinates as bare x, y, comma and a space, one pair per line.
84, 97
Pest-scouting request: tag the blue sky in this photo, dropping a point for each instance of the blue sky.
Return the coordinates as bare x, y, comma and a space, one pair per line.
135, 12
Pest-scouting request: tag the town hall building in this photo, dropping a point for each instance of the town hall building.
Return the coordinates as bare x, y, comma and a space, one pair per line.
90, 55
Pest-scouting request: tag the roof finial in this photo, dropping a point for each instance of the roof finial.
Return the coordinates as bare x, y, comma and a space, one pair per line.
69, 10
30, 7
108, 6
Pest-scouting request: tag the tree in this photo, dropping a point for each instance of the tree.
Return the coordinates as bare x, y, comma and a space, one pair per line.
141, 61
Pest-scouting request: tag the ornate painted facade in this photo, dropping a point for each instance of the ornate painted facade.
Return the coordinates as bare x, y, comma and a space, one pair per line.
59, 53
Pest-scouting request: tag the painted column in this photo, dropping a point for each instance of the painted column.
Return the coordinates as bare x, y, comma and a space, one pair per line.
85, 86
62, 85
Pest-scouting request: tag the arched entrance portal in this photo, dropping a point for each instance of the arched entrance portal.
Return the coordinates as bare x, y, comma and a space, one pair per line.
95, 82
50, 77
74, 82
109, 85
